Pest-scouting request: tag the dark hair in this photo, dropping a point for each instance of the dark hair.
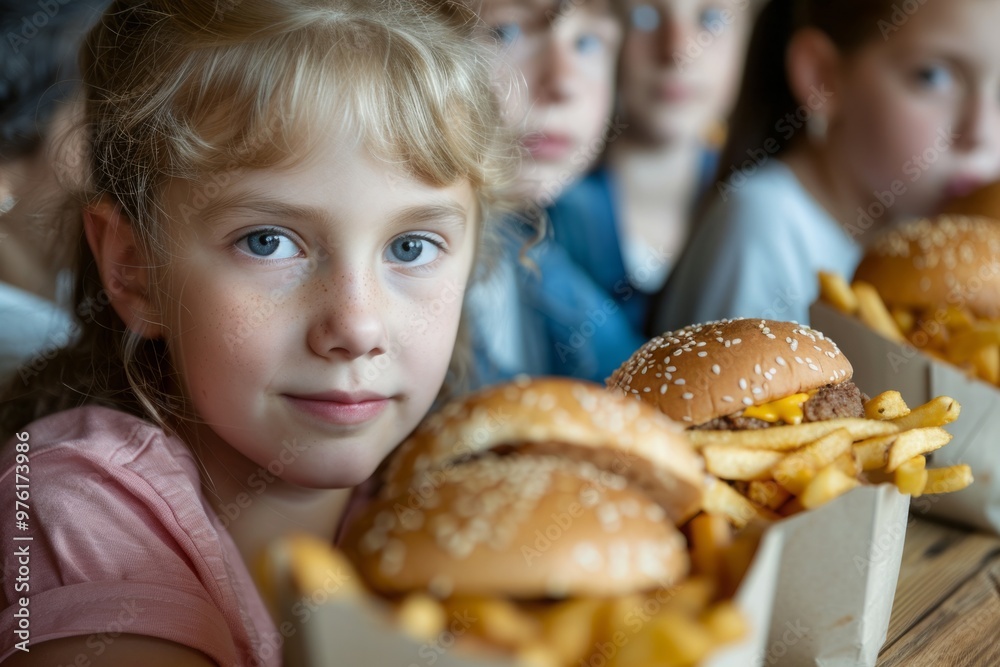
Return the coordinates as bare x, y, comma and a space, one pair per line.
765, 96
38, 67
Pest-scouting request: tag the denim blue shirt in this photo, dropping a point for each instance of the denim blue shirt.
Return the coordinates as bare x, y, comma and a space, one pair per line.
550, 320
756, 253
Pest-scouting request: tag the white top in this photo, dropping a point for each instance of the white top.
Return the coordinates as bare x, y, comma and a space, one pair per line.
31, 330
756, 253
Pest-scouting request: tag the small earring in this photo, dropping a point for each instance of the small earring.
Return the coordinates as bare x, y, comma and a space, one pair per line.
816, 127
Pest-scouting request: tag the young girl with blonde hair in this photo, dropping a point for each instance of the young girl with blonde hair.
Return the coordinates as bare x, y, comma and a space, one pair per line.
286, 200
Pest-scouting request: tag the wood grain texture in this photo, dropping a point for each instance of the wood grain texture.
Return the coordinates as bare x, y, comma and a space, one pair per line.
947, 605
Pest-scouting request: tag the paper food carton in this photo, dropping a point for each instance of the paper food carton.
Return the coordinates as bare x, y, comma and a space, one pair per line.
881, 365
360, 633
839, 566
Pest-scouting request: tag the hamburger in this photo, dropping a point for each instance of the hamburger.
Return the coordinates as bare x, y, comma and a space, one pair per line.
468, 495
551, 497
558, 417
742, 374
927, 265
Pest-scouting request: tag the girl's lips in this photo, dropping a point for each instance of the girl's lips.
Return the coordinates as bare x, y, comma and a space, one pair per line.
548, 146
962, 186
348, 412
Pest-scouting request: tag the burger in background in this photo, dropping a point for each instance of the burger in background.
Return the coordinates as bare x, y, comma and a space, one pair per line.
935, 283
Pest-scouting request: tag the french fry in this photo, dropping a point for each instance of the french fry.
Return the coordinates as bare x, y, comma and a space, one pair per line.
667, 639
692, 595
537, 654
421, 616
725, 622
948, 480
873, 453
965, 342
569, 628
887, 405
905, 319
829, 483
796, 470
834, 290
767, 493
872, 311
848, 463
986, 361
498, 620
915, 442
720, 498
740, 463
792, 436
936, 412
911, 476
710, 537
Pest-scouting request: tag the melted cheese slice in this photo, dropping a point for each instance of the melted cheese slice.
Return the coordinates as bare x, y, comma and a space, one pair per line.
788, 409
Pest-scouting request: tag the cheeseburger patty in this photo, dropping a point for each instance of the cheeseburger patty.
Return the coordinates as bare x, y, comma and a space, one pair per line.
830, 402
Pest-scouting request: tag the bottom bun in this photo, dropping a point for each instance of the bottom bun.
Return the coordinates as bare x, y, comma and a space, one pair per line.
523, 527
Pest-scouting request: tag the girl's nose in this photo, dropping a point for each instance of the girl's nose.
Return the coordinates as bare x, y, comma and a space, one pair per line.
980, 124
674, 35
558, 69
350, 319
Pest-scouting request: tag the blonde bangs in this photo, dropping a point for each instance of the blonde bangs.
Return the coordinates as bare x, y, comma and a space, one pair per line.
422, 104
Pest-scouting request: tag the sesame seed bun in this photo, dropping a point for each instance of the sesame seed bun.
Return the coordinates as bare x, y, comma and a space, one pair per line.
720, 368
521, 527
931, 263
558, 416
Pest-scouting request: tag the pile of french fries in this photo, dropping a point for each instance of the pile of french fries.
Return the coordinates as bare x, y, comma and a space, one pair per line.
949, 333
782, 470
675, 626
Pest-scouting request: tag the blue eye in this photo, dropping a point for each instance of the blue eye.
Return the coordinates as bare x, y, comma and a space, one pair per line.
645, 18
506, 33
713, 19
413, 250
937, 77
589, 44
270, 243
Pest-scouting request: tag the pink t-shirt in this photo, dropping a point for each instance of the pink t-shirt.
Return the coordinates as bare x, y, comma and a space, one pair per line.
124, 541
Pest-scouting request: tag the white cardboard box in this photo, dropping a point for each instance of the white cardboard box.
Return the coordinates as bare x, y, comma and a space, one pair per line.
839, 567
881, 364
346, 633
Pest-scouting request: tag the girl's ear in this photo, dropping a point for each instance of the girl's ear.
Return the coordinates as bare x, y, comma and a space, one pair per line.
813, 68
124, 272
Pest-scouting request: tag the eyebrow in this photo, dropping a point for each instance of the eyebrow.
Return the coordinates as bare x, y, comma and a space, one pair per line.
448, 213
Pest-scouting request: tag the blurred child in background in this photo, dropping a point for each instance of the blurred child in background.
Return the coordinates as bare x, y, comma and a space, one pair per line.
555, 77
39, 158
627, 222
284, 205
852, 114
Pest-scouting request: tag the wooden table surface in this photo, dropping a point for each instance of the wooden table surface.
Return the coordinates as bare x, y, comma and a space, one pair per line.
947, 606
